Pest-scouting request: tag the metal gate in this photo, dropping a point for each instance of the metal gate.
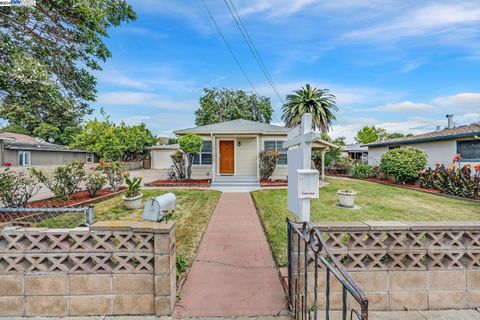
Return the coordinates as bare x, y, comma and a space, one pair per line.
310, 296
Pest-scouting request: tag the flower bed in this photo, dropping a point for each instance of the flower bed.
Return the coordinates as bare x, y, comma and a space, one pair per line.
274, 183
78, 199
180, 183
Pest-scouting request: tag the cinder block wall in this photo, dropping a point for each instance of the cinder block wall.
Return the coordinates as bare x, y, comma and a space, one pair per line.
111, 268
400, 266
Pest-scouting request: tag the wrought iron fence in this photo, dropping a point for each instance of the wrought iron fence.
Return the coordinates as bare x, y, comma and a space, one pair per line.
309, 259
48, 217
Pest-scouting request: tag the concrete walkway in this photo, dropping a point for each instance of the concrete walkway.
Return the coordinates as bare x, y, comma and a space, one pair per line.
234, 273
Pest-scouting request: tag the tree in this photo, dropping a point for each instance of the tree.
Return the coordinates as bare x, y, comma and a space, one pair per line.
340, 141
191, 144
114, 142
47, 54
395, 135
318, 102
370, 134
218, 105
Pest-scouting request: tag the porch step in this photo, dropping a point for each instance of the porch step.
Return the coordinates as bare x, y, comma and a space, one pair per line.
235, 181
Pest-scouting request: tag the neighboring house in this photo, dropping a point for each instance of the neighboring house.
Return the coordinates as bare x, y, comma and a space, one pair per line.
441, 145
231, 149
355, 152
22, 150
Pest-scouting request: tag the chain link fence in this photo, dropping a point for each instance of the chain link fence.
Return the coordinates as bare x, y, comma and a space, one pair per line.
57, 218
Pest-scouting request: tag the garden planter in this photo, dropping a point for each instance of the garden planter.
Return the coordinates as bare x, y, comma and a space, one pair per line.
346, 198
133, 202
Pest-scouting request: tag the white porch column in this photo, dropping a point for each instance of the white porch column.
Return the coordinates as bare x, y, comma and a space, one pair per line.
258, 160
214, 156
323, 163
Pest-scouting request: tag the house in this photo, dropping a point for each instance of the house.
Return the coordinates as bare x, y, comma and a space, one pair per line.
355, 152
231, 151
441, 145
21, 150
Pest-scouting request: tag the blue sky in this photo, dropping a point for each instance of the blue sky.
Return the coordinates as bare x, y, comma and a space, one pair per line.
402, 65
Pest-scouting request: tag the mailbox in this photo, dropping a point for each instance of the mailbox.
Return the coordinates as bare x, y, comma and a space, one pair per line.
308, 183
156, 208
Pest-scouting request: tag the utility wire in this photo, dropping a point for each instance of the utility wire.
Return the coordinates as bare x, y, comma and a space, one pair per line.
253, 49
228, 46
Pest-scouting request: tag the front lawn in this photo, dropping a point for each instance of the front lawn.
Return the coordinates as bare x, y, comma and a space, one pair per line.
194, 209
376, 201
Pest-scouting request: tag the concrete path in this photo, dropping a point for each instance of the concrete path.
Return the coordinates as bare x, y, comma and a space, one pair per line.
234, 273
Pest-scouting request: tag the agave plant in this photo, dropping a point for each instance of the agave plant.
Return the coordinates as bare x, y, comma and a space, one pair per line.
133, 185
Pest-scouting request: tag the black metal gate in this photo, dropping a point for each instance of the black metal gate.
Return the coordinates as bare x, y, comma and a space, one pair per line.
309, 296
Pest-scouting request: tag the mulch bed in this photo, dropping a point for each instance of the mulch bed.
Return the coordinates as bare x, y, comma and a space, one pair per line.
79, 199
180, 183
274, 183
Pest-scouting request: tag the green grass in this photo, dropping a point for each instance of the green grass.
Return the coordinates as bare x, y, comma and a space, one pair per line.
194, 209
376, 201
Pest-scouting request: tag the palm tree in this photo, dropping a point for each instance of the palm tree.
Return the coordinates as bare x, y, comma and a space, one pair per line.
318, 102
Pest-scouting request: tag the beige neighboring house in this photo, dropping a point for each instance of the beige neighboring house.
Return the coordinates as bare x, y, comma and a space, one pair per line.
230, 151
22, 150
441, 145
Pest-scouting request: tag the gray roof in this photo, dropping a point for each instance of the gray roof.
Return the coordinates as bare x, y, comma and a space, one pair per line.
354, 147
236, 126
165, 147
445, 134
41, 147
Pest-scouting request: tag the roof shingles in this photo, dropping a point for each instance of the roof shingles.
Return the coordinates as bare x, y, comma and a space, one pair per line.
445, 134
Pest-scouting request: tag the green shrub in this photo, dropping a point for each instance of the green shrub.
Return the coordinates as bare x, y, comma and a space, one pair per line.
113, 172
94, 182
17, 188
361, 171
65, 180
378, 173
133, 185
330, 156
404, 164
342, 165
268, 163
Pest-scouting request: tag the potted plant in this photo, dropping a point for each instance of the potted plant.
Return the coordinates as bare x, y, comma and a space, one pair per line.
346, 198
133, 197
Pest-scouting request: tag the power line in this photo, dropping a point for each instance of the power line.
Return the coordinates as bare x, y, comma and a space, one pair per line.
228, 46
253, 49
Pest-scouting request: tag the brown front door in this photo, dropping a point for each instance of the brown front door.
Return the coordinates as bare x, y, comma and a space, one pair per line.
227, 157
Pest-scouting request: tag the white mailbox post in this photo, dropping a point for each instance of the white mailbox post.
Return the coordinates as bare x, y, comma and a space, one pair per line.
303, 182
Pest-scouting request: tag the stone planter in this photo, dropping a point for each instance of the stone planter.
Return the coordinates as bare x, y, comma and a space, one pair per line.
346, 198
133, 203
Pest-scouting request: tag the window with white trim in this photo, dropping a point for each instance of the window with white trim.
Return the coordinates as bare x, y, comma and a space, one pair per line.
277, 146
204, 157
24, 158
90, 157
469, 149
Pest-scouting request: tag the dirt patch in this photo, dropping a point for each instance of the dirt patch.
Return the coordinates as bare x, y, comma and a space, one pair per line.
274, 183
81, 198
180, 183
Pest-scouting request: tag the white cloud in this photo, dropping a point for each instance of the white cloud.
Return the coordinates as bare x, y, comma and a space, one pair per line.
405, 106
122, 80
142, 99
432, 19
467, 100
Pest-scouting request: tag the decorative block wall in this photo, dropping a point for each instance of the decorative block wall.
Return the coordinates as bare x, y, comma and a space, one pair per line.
404, 266
111, 268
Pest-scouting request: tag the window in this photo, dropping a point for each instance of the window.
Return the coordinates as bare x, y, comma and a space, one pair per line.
24, 158
204, 157
277, 146
469, 149
90, 158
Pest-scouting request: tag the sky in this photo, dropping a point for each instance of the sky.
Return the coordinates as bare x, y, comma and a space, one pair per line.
400, 65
